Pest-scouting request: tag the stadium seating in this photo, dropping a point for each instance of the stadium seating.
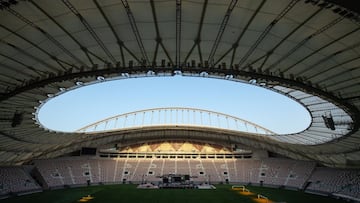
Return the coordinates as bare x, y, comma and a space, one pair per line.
16, 180
267, 171
290, 173
338, 181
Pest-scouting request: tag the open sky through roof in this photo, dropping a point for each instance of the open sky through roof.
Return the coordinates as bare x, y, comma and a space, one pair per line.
82, 106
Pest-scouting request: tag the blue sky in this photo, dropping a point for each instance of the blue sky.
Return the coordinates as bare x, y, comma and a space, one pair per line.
82, 106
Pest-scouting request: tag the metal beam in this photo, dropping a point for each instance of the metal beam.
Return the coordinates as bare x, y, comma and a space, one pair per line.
38, 47
319, 49
47, 35
329, 57
330, 69
46, 65
89, 29
118, 40
330, 78
158, 37
15, 138
198, 35
22, 64
304, 41
86, 52
221, 31
355, 81
10, 76
135, 30
178, 34
266, 31
236, 43
271, 51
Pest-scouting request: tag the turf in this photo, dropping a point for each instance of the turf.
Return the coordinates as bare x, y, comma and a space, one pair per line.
129, 193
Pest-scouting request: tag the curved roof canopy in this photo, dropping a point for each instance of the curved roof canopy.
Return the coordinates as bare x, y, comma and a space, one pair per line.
308, 50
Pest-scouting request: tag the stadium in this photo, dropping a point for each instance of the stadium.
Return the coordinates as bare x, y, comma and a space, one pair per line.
305, 50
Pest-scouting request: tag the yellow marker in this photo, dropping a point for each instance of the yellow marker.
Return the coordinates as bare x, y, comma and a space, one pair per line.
89, 197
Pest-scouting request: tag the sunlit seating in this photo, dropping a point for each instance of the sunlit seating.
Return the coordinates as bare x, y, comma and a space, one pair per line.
269, 171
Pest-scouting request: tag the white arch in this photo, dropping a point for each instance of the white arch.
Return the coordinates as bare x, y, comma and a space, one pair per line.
175, 116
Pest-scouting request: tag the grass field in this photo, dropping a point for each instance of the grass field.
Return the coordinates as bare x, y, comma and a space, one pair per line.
129, 193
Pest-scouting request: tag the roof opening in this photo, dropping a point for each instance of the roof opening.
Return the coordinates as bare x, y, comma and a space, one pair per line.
87, 104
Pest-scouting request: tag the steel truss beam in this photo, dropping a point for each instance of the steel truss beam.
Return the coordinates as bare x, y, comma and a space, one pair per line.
236, 43
321, 48
118, 40
198, 36
89, 29
82, 48
304, 41
158, 37
272, 50
135, 31
46, 34
266, 31
178, 34
221, 31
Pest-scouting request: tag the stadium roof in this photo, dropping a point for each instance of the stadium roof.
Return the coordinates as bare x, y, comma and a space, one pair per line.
305, 49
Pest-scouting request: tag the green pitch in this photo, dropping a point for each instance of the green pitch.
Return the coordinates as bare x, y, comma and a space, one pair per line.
129, 193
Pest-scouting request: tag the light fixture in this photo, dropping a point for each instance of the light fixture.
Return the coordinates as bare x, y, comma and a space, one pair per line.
150, 73
177, 72
262, 84
329, 121
252, 81
100, 78
125, 75
204, 74
79, 83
